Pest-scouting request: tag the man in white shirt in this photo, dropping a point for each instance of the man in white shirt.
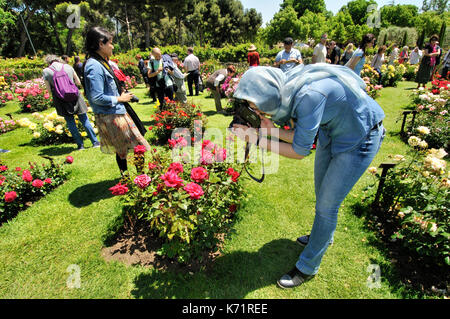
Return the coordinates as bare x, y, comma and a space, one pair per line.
415, 56
192, 66
289, 57
320, 51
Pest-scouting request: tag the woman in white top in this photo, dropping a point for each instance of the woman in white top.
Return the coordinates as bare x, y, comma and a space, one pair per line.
378, 61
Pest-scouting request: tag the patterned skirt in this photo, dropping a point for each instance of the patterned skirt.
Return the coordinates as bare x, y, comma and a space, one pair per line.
118, 134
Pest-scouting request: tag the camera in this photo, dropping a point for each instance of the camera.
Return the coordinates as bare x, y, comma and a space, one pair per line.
134, 99
244, 114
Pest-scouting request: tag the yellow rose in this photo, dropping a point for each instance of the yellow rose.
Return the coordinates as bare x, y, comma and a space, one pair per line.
59, 132
83, 134
37, 134
32, 126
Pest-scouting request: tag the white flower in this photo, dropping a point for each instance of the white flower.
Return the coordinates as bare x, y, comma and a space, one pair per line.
372, 170
423, 144
37, 134
433, 227
399, 157
423, 130
414, 141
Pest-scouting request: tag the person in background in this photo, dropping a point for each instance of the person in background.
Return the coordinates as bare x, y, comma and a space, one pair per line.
118, 132
446, 65
394, 54
143, 69
320, 51
252, 56
289, 57
430, 53
404, 57
415, 56
178, 77
192, 67
163, 82
438, 58
378, 61
348, 53
78, 67
151, 83
69, 109
358, 59
335, 55
214, 83
65, 59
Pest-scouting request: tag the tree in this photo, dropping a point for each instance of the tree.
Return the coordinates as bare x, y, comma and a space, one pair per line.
300, 6
359, 10
399, 15
312, 26
340, 25
284, 24
440, 6
7, 22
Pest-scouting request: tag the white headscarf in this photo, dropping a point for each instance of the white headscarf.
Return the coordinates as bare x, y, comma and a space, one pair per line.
273, 91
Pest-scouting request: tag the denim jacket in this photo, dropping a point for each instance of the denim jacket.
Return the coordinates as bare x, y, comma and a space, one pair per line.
101, 90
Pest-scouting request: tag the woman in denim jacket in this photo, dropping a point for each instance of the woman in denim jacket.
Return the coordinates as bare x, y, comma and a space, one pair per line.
329, 100
118, 133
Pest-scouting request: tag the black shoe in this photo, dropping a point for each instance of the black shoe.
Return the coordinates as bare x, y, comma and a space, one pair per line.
294, 278
304, 240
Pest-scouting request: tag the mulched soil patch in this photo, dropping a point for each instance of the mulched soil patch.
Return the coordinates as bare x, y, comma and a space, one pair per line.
135, 246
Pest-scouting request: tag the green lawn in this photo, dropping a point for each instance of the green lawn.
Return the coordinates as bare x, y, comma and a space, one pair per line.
70, 225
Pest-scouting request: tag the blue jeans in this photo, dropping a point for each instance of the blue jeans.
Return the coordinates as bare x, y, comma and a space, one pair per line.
334, 177
72, 126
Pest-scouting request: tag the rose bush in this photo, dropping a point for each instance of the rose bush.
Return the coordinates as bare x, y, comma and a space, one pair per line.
20, 187
392, 74
187, 205
176, 115
32, 95
7, 125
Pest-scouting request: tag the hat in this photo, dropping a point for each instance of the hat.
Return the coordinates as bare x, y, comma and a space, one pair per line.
252, 48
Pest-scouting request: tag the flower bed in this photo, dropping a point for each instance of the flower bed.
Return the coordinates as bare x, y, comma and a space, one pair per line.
32, 95
187, 205
52, 129
176, 115
392, 74
432, 106
20, 187
371, 78
7, 125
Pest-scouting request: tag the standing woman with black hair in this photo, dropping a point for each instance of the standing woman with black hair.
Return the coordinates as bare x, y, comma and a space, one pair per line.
356, 63
118, 133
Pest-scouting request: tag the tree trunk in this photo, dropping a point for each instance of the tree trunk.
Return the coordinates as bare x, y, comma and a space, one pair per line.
69, 42
55, 33
147, 34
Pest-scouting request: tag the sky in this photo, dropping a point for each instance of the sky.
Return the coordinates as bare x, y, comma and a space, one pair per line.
269, 7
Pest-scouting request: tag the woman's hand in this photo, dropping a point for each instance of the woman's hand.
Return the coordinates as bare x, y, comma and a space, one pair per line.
266, 123
125, 97
245, 133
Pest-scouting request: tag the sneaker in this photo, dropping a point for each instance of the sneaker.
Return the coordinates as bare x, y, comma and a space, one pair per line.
80, 148
293, 278
95, 145
304, 240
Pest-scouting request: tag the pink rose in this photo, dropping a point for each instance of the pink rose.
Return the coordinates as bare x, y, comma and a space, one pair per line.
171, 179
69, 159
176, 167
151, 166
26, 176
48, 180
199, 174
207, 145
3, 168
140, 150
37, 183
194, 190
207, 158
220, 154
142, 181
10, 196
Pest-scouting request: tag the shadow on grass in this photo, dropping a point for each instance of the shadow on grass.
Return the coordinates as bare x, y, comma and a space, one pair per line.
91, 193
56, 151
230, 276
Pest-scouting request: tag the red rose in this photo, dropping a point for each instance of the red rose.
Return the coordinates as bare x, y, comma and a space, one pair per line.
18, 169
69, 159
171, 179
151, 166
119, 189
29, 106
48, 180
10, 196
199, 174
26, 176
37, 183
286, 127
176, 167
232, 208
3, 168
142, 181
234, 175
140, 150
194, 190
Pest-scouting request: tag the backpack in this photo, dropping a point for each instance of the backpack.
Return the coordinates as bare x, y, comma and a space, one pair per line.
65, 89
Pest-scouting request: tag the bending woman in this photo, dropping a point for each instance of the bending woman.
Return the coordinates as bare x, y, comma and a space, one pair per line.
330, 100
118, 133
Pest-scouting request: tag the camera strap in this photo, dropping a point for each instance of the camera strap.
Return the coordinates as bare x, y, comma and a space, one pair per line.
247, 153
